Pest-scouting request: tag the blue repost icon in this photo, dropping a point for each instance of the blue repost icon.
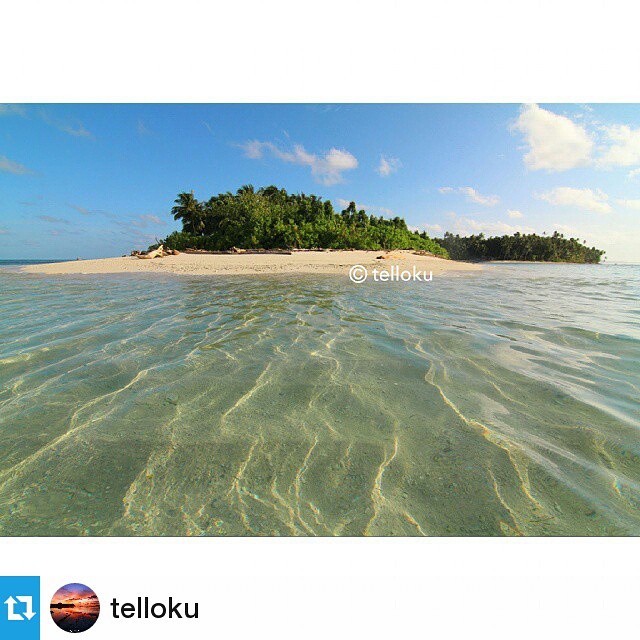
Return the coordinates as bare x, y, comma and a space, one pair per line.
20, 608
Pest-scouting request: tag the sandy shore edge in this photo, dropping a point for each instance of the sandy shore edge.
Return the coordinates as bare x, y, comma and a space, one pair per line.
329, 262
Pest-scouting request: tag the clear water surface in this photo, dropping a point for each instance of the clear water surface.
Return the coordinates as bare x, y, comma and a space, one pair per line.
497, 403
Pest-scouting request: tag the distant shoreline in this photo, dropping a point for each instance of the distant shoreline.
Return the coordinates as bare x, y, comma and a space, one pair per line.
297, 262
536, 262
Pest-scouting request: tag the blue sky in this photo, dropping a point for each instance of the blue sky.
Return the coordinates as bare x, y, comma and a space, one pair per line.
100, 180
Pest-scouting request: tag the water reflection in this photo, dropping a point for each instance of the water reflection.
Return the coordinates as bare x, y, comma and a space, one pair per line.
75, 607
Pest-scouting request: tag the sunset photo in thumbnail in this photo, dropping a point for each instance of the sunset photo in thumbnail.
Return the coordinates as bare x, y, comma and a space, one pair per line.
75, 607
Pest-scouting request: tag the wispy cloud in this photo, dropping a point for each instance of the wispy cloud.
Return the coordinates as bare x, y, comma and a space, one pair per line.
144, 220
327, 168
327, 108
565, 229
585, 199
514, 214
73, 128
387, 166
53, 219
383, 211
4, 231
10, 166
66, 232
207, 126
148, 217
431, 229
36, 202
472, 195
629, 204
76, 207
470, 226
142, 129
12, 110
109, 216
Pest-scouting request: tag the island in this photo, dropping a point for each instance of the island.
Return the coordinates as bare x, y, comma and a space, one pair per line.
269, 230
527, 247
271, 218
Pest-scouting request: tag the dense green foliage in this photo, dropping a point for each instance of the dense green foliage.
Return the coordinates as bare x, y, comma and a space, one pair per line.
555, 248
271, 218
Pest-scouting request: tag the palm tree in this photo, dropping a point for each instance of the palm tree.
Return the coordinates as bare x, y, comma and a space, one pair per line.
189, 210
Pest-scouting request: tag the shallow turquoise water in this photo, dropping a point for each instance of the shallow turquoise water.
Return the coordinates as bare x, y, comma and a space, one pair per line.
504, 402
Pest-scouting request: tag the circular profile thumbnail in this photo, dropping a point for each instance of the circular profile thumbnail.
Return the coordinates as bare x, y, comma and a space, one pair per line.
75, 607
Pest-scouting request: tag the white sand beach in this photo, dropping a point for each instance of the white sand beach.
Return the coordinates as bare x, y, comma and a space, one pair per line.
329, 262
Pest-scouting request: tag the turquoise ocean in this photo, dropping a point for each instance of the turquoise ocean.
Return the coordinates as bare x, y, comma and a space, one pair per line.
502, 402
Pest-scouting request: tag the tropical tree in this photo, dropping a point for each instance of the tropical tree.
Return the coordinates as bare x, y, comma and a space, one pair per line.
530, 247
190, 211
270, 218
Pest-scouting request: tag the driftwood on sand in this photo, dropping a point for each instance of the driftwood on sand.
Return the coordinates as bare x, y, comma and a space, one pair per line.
160, 252
235, 250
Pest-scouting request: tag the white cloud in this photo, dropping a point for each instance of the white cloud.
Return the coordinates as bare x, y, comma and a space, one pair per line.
326, 169
566, 230
429, 228
555, 143
624, 146
472, 195
586, 199
558, 143
634, 173
370, 208
9, 166
629, 204
388, 166
514, 213
469, 226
